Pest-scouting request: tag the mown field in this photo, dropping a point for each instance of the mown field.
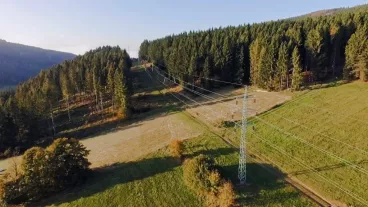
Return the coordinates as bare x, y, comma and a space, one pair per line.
156, 180
319, 138
326, 131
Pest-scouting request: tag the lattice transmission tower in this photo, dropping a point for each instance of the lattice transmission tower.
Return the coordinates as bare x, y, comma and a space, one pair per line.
242, 173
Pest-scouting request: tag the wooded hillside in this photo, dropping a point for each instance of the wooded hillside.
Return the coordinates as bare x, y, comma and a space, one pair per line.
26, 116
273, 55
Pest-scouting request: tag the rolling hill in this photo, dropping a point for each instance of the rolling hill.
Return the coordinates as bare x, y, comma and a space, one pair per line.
19, 62
328, 12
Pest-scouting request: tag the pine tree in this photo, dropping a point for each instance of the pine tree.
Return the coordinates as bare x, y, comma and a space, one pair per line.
120, 93
297, 78
66, 89
283, 66
337, 36
255, 53
317, 44
240, 67
96, 85
357, 55
207, 72
228, 69
110, 84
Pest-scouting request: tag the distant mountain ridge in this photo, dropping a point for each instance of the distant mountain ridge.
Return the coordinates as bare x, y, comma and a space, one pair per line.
328, 12
19, 62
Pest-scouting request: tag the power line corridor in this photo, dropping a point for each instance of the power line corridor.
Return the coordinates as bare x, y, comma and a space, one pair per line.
210, 115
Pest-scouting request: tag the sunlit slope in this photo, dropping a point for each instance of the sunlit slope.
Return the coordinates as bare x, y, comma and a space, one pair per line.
157, 180
320, 137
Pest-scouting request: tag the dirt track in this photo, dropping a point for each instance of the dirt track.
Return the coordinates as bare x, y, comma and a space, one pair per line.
134, 141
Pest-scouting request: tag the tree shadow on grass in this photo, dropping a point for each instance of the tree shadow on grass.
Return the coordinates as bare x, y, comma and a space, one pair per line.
99, 129
107, 177
117, 125
212, 153
263, 187
326, 168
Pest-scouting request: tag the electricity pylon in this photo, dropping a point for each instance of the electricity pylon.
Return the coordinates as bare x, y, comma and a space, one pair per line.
242, 173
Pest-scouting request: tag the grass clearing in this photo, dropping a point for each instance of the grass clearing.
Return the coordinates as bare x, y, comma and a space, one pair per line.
326, 118
157, 180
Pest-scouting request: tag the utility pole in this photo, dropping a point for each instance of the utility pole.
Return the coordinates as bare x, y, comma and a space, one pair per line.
101, 102
242, 174
67, 100
53, 124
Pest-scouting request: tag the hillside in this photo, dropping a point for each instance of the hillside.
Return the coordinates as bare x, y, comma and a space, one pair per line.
68, 95
294, 138
328, 12
157, 180
19, 62
276, 55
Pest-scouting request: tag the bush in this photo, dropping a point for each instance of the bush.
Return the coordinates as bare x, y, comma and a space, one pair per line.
197, 173
226, 195
46, 171
201, 176
176, 148
68, 162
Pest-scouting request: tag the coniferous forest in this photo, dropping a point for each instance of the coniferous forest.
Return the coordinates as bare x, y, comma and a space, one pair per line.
275, 55
26, 114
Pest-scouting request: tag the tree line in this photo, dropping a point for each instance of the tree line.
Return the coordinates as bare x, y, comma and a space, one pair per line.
273, 55
26, 113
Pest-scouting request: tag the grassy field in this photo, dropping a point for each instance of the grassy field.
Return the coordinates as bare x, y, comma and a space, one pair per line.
316, 127
324, 129
156, 180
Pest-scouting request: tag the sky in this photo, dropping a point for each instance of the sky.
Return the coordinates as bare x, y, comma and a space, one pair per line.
78, 26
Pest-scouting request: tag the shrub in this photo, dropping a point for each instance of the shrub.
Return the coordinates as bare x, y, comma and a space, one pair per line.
223, 197
12, 191
35, 175
176, 148
201, 176
197, 173
226, 195
45, 171
67, 162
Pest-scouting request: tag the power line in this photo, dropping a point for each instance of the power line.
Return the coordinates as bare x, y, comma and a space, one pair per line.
220, 81
318, 148
357, 197
179, 98
201, 94
194, 85
354, 166
326, 152
320, 133
329, 112
205, 96
198, 93
242, 153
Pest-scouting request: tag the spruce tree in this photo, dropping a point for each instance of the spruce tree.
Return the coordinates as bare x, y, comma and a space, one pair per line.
207, 72
120, 93
240, 67
283, 66
255, 51
357, 55
297, 78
